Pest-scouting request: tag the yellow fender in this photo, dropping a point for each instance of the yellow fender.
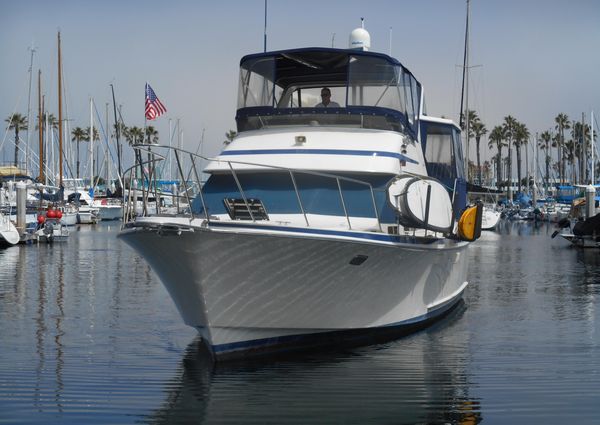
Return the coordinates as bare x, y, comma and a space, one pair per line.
469, 224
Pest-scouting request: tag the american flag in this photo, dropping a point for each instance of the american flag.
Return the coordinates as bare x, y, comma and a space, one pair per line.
154, 107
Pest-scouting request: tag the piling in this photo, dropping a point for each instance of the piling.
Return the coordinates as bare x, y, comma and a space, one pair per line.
21, 207
590, 201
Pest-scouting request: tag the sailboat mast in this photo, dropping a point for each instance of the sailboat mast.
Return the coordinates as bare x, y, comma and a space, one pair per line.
60, 120
117, 131
593, 146
91, 154
40, 126
464, 99
29, 123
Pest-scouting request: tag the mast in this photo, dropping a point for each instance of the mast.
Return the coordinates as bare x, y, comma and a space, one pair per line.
535, 165
29, 123
593, 145
60, 120
40, 127
464, 98
91, 142
117, 132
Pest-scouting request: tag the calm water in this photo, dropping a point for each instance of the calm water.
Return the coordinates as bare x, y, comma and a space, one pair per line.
88, 335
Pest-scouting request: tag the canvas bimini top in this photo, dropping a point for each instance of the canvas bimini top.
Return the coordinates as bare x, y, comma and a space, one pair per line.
283, 88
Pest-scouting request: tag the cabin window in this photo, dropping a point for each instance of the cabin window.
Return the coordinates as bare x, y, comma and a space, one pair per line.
443, 152
374, 82
256, 83
307, 97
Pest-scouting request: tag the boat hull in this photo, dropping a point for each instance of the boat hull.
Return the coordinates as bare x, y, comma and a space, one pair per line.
9, 234
490, 218
250, 290
110, 212
585, 241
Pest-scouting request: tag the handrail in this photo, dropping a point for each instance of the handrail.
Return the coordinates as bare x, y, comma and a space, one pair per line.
129, 210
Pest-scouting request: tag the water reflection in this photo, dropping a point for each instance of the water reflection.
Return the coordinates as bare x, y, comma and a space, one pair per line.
89, 335
418, 379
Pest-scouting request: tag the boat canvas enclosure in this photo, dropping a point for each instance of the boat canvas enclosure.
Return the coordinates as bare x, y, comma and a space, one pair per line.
282, 88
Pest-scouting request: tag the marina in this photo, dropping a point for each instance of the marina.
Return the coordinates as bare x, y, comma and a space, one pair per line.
314, 230
90, 335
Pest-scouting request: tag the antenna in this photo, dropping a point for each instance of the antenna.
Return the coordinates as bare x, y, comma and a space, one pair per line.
390, 52
332, 39
265, 33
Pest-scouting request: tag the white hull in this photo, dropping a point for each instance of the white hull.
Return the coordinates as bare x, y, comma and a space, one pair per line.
69, 218
9, 235
247, 288
490, 218
87, 215
110, 212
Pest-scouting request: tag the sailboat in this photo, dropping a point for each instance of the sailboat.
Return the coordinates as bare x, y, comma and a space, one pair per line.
490, 213
50, 227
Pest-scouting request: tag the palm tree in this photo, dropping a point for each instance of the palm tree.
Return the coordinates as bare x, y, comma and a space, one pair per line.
581, 135
119, 130
52, 122
496, 139
478, 130
17, 122
471, 119
230, 135
562, 124
545, 139
95, 137
570, 147
151, 135
135, 135
78, 134
509, 126
556, 144
521, 136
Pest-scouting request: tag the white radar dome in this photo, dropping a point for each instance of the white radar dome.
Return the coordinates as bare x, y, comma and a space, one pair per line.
360, 39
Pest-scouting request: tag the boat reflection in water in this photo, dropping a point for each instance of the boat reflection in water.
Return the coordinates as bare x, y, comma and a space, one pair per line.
317, 224
419, 379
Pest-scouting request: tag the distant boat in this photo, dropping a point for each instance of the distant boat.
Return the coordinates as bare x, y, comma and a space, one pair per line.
50, 229
585, 233
490, 218
318, 225
9, 235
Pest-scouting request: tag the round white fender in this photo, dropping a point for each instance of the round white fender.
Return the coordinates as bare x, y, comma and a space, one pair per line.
408, 196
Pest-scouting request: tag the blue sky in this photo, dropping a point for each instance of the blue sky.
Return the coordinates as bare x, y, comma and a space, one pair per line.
537, 57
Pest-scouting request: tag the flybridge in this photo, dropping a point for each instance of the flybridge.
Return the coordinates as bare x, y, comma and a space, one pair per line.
373, 90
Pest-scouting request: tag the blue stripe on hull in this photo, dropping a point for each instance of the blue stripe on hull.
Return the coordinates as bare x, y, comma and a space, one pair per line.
332, 339
385, 154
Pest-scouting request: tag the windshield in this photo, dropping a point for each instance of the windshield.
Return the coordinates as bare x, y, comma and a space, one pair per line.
356, 81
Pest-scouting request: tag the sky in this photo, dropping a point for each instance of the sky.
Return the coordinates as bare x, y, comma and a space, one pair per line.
531, 59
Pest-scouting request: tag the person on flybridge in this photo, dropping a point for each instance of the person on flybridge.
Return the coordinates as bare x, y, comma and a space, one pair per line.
326, 101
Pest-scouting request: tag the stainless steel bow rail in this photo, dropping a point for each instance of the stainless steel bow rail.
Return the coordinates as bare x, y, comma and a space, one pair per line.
142, 178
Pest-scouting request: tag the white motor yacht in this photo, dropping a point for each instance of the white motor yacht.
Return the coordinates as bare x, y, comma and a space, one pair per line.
319, 224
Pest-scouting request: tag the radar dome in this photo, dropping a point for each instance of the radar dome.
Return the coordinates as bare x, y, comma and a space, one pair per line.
360, 39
